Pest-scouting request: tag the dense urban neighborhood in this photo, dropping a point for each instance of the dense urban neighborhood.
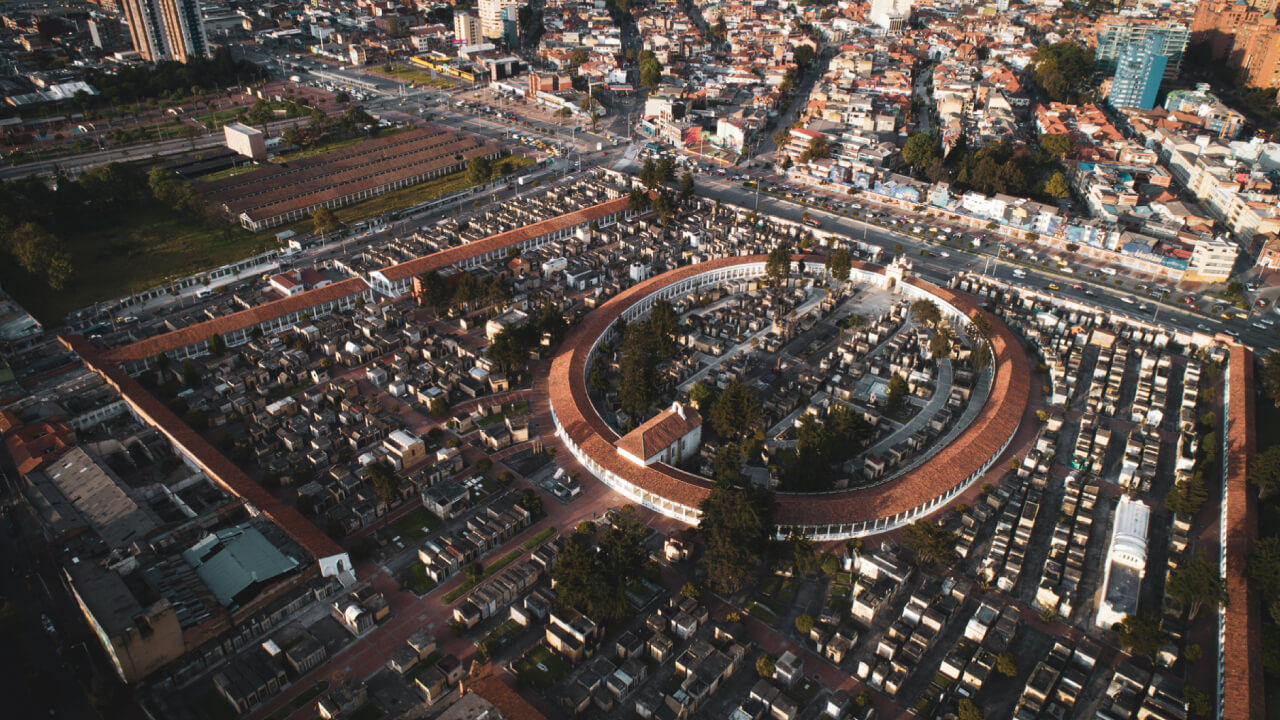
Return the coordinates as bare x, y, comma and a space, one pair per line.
523, 359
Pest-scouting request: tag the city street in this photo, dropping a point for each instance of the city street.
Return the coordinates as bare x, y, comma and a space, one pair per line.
946, 262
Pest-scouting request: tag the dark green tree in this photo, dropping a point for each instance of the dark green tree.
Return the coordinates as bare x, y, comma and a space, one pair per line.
479, 170
1057, 186
735, 523
1188, 495
386, 484
1197, 584
1060, 70
925, 312
324, 221
837, 264
735, 412
1271, 376
699, 394
1140, 635
921, 149
930, 543
896, 396
1056, 144
778, 265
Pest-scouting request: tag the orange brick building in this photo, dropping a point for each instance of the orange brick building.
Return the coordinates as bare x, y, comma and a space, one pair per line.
1245, 35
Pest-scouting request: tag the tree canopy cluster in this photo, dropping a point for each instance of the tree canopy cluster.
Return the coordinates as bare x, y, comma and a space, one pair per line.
1197, 584
821, 446
463, 290
1264, 567
1271, 376
1140, 635
650, 70
168, 79
645, 344
778, 265
34, 216
921, 150
837, 264
816, 150
735, 411
999, 167
1060, 71
653, 174
510, 347
930, 543
736, 524
1264, 471
592, 576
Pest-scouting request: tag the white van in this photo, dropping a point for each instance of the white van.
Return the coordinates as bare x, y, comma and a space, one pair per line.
207, 292
1019, 273
1108, 271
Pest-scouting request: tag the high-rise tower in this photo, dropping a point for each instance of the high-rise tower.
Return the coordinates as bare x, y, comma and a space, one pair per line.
166, 29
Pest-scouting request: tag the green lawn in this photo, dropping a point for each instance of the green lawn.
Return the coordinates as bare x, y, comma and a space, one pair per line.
310, 694
229, 172
407, 197
419, 583
334, 144
145, 248
417, 523
538, 539
497, 565
406, 74
504, 631
516, 408
150, 245
527, 667
218, 118
762, 611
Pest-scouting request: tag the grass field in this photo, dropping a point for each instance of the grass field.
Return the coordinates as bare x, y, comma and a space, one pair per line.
148, 246
218, 118
143, 250
419, 583
540, 667
406, 74
229, 172
407, 197
336, 144
417, 523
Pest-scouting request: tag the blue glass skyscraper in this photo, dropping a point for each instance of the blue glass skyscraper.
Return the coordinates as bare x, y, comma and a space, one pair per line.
1139, 71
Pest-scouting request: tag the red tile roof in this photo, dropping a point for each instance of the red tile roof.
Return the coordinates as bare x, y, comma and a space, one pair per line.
216, 465
501, 241
996, 422
659, 432
508, 701
1242, 682
201, 332
34, 446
